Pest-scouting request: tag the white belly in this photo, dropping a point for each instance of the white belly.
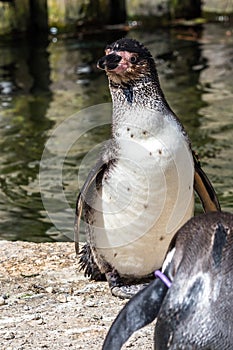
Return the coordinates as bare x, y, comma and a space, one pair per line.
146, 198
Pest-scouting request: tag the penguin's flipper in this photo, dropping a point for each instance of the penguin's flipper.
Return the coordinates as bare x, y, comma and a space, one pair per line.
78, 213
204, 188
98, 168
141, 310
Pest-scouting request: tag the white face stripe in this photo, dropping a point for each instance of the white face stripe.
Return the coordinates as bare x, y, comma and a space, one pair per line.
168, 259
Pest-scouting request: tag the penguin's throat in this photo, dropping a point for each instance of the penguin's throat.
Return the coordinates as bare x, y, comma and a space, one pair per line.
140, 94
140, 112
140, 120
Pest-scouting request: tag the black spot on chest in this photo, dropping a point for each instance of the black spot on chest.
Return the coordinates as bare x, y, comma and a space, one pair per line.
128, 92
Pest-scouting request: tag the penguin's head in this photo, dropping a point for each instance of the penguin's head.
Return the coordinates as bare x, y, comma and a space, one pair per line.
127, 60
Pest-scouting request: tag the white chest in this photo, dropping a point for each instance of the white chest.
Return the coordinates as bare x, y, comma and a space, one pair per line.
147, 196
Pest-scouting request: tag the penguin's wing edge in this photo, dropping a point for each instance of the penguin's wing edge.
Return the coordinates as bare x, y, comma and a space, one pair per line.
99, 167
204, 189
141, 310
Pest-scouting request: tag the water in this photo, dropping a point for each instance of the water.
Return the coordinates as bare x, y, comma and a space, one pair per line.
45, 84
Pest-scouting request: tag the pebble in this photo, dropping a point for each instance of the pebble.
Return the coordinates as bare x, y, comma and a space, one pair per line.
90, 303
41, 321
69, 298
9, 336
49, 290
36, 317
2, 301
62, 298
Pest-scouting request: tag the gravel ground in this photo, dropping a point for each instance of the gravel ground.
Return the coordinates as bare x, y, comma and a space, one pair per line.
46, 303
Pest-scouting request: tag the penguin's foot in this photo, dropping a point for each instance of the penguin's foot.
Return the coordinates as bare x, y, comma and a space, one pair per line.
88, 265
127, 291
121, 290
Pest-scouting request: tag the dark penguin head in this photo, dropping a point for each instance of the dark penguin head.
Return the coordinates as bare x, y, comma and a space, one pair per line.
126, 61
196, 311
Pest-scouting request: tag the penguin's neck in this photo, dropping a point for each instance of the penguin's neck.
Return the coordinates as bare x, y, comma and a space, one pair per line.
142, 93
138, 108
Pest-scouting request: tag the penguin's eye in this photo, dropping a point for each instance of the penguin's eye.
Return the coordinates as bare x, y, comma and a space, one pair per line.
133, 59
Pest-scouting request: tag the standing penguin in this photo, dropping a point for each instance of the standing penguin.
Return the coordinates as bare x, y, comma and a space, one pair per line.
141, 190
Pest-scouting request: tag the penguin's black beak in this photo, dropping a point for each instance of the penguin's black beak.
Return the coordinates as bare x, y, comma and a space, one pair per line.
109, 62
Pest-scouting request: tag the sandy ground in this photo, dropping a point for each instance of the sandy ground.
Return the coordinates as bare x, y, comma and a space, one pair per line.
46, 303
